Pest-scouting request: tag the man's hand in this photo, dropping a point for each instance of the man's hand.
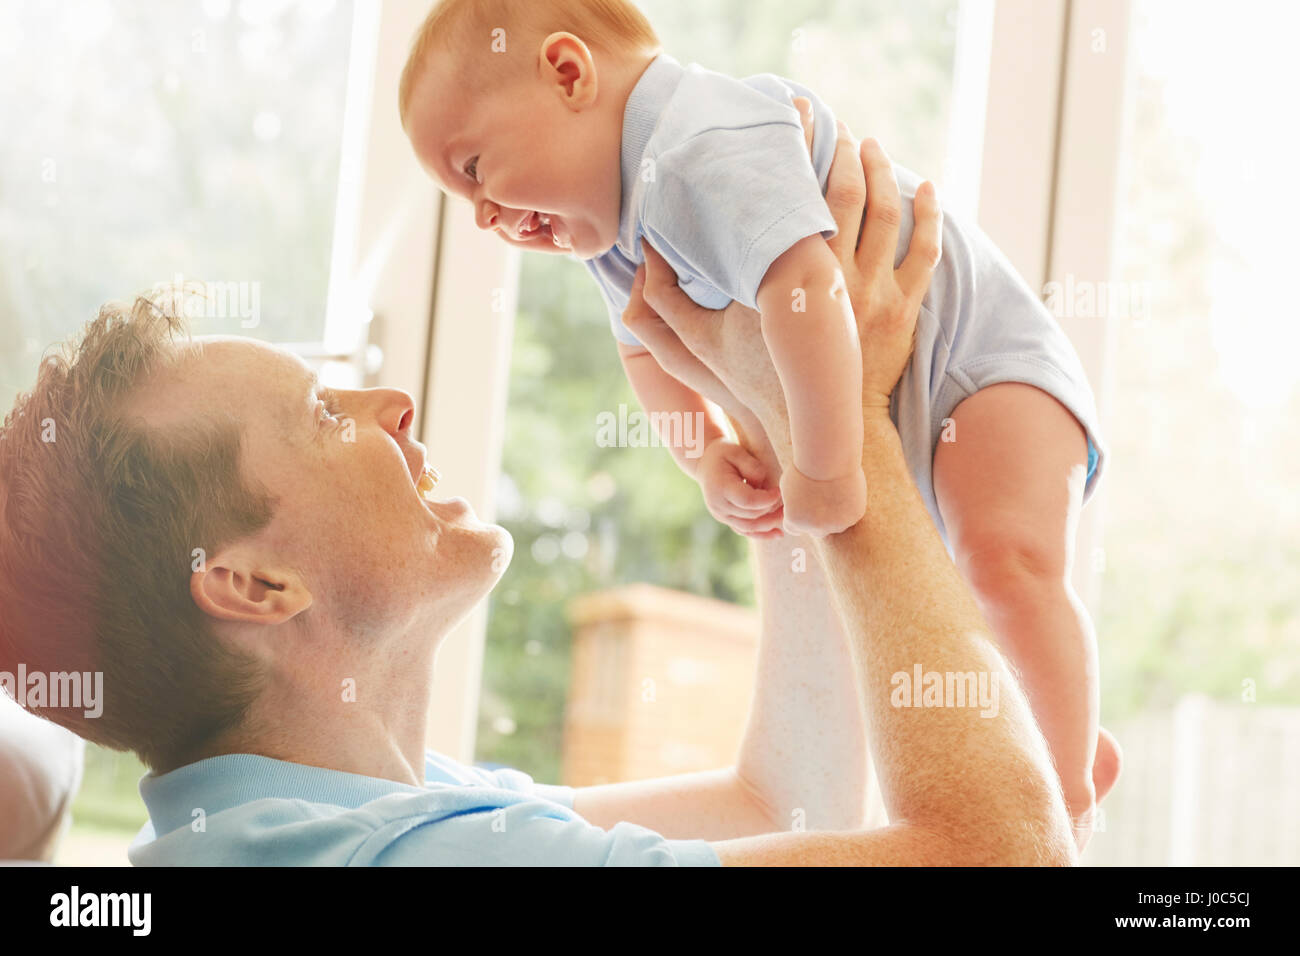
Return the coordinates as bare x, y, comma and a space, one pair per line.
659, 309
722, 354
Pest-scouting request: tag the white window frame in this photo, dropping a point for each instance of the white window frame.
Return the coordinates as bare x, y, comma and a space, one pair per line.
1053, 144
442, 295
476, 294
1044, 186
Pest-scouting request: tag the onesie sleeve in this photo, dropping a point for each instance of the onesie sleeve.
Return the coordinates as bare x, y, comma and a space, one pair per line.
729, 201
614, 276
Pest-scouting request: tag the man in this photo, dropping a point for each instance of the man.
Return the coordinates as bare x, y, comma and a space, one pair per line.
248, 560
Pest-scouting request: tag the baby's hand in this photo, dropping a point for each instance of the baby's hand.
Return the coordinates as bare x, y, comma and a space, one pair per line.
734, 485
819, 508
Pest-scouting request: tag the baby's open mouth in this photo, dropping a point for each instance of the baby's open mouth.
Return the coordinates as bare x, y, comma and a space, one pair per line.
541, 225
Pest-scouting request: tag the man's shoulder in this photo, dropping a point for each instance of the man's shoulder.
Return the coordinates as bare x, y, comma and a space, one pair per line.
463, 815
299, 831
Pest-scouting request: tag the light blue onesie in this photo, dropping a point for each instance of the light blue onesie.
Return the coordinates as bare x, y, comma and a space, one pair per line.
716, 175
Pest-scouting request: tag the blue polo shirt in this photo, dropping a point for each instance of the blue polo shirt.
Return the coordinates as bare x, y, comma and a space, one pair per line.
249, 810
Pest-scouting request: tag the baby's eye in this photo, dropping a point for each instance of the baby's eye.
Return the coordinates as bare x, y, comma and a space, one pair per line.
471, 169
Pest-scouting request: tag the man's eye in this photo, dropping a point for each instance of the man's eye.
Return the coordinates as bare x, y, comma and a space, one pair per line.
329, 405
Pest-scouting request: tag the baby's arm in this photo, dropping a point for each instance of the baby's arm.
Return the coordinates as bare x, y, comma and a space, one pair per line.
811, 334
660, 392
734, 482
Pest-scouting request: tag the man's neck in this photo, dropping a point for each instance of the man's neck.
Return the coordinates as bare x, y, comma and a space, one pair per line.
376, 727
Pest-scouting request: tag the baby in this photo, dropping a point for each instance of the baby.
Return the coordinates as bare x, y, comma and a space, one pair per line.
571, 133
738, 210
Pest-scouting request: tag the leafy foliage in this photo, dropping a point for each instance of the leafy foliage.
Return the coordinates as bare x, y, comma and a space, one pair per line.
585, 517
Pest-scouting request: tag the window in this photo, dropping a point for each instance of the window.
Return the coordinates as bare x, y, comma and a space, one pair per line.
1200, 604
148, 141
585, 517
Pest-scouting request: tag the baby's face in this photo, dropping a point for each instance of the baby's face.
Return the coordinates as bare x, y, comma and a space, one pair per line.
542, 174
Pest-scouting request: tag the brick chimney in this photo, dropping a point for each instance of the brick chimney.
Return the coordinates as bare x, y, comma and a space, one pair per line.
661, 684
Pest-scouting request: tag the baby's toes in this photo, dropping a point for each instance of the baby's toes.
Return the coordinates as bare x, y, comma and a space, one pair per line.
1107, 765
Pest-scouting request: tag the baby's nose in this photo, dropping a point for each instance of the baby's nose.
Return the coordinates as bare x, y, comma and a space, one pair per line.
488, 216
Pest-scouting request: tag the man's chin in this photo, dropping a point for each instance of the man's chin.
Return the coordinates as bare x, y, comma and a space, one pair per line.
491, 542
502, 549
469, 558
458, 511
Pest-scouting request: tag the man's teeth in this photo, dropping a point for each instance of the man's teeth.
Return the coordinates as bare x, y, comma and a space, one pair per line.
429, 479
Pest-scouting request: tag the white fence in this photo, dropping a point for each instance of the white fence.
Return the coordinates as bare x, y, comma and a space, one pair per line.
1209, 784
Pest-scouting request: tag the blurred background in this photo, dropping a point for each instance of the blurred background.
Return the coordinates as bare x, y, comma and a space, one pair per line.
255, 143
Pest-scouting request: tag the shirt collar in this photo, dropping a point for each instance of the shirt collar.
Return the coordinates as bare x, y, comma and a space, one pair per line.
644, 107
230, 780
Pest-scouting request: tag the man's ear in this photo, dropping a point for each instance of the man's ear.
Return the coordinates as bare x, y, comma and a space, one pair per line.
239, 587
566, 63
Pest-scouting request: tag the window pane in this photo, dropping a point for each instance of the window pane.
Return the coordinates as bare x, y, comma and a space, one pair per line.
146, 140
1202, 573
585, 517
884, 68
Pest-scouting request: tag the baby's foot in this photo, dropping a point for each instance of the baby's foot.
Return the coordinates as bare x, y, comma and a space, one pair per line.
819, 508
1108, 763
1106, 768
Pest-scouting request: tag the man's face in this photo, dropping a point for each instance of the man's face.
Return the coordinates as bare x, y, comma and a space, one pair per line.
521, 156
373, 553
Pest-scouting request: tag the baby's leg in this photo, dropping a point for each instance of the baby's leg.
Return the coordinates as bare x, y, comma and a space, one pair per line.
1010, 488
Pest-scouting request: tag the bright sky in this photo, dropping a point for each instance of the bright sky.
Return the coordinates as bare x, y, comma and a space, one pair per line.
1231, 73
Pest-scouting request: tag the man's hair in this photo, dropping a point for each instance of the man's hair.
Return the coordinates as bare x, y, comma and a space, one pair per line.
461, 28
100, 516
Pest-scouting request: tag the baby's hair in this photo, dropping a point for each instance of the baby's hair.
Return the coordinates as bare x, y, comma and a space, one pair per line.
457, 27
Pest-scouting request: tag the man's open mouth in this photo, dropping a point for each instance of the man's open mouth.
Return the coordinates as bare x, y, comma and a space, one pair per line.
427, 481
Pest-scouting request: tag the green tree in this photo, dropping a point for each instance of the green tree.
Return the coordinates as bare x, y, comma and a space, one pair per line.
585, 517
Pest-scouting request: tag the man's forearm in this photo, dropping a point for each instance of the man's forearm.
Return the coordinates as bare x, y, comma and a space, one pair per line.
977, 773
804, 754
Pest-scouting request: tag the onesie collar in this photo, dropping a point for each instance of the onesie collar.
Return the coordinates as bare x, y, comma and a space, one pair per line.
231, 780
644, 106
